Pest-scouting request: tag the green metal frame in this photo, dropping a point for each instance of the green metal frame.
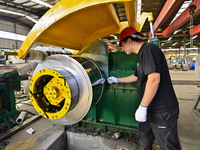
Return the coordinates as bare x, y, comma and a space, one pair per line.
119, 102
7, 88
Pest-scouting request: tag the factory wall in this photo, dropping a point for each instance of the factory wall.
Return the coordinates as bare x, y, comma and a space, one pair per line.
12, 27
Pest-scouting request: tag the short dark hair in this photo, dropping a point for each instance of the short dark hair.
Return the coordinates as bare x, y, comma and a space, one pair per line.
132, 39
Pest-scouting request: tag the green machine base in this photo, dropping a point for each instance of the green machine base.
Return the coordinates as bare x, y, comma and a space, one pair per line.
9, 81
119, 102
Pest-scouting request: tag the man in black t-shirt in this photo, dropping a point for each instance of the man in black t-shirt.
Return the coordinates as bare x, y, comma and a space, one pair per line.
158, 110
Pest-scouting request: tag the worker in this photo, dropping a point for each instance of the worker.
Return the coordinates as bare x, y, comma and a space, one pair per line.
158, 110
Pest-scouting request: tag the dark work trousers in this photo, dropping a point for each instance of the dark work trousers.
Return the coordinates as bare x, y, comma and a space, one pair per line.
162, 127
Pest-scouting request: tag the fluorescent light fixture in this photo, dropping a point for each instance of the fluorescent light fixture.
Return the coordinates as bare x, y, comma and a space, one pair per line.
194, 37
174, 44
169, 39
12, 36
179, 30
191, 27
187, 43
182, 49
183, 7
175, 32
11, 12
18, 14
118, 43
193, 54
139, 2
29, 18
42, 3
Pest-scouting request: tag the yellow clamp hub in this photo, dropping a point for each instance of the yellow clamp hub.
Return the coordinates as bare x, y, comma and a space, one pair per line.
50, 94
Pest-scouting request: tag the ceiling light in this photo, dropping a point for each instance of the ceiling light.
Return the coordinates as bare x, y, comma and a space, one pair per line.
187, 43
29, 18
174, 44
42, 3
138, 9
18, 14
11, 12
194, 37
183, 7
191, 27
169, 39
12, 36
179, 30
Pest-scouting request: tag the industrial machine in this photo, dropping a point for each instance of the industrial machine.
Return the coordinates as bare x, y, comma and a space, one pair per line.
68, 88
64, 88
9, 81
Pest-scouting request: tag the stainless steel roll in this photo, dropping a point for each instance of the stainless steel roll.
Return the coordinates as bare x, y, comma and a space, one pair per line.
79, 83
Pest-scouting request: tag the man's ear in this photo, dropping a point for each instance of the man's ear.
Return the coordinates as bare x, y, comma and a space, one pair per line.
129, 40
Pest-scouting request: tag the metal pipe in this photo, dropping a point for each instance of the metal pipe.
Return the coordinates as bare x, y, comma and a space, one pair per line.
151, 28
9, 53
21, 117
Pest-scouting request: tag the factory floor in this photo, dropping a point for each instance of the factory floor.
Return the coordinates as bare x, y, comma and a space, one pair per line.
188, 124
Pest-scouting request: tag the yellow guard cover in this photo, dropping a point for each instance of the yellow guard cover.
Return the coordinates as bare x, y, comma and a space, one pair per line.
76, 23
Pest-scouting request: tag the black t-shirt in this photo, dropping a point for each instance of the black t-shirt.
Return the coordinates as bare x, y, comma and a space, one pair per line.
150, 58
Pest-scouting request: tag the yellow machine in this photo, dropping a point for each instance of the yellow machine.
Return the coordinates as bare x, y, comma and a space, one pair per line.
61, 88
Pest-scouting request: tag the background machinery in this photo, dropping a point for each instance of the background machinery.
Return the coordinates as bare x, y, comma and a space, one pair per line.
9, 81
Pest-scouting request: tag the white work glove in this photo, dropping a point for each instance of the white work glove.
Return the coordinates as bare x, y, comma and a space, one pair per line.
112, 80
100, 81
141, 114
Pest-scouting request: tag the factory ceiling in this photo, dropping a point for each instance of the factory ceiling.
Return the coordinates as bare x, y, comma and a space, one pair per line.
171, 32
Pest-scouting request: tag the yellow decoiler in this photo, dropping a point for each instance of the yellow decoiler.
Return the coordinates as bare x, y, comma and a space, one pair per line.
61, 89
54, 90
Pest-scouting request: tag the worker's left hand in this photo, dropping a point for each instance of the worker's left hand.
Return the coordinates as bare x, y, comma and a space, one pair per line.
100, 81
112, 80
141, 114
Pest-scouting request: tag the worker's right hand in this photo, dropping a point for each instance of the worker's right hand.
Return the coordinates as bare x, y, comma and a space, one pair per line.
112, 80
141, 114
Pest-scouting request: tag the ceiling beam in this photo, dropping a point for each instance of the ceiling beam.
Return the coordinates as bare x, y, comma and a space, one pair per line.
169, 7
18, 6
196, 30
182, 19
22, 8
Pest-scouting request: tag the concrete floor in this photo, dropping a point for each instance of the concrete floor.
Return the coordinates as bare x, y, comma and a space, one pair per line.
189, 122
